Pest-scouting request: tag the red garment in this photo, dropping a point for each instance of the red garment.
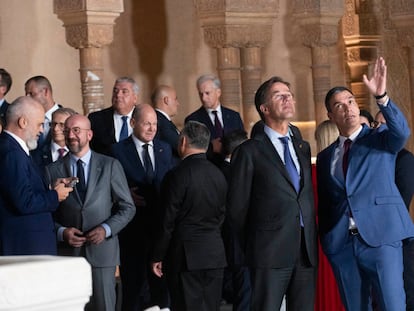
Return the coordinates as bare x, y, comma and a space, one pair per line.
327, 294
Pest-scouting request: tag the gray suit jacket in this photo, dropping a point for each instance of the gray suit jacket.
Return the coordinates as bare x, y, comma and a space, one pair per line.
107, 200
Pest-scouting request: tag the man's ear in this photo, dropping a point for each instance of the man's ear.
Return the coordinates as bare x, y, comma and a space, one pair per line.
263, 108
22, 122
329, 114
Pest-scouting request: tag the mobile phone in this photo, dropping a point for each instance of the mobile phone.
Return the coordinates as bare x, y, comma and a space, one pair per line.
72, 181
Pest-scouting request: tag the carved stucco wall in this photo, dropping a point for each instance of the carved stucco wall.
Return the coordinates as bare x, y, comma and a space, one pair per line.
164, 42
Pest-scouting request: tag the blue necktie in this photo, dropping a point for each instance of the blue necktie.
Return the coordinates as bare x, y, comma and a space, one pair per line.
289, 164
149, 170
291, 169
124, 128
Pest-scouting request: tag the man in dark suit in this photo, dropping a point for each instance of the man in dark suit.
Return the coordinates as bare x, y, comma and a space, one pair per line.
165, 101
218, 119
89, 220
145, 161
26, 201
112, 124
5, 85
404, 179
271, 207
190, 250
362, 216
40, 88
56, 148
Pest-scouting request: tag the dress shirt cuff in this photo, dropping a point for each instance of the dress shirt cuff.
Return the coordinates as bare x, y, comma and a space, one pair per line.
385, 103
60, 234
108, 231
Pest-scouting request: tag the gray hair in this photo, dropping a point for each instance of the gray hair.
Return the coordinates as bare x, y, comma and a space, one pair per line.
197, 133
135, 87
209, 77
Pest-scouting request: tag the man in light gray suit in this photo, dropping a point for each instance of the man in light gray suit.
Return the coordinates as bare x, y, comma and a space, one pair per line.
89, 220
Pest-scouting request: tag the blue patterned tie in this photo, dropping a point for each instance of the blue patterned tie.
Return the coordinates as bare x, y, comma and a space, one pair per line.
289, 164
124, 128
291, 169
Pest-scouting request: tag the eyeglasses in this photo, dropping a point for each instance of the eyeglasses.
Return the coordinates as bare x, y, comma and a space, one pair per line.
60, 124
75, 130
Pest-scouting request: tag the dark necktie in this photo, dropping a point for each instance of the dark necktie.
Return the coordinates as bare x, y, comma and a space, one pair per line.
81, 185
289, 164
124, 129
217, 125
347, 145
149, 170
61, 152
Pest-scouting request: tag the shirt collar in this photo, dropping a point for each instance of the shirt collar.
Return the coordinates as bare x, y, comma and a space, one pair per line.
85, 159
138, 143
163, 113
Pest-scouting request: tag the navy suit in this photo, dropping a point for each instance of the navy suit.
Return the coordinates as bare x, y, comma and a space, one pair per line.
26, 204
404, 178
137, 237
231, 120
42, 155
168, 132
371, 196
102, 125
3, 110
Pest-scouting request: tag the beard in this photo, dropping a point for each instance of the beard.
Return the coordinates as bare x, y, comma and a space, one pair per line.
31, 143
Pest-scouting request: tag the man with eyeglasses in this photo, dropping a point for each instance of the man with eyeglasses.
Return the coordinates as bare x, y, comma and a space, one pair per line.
89, 220
145, 160
271, 206
112, 124
56, 149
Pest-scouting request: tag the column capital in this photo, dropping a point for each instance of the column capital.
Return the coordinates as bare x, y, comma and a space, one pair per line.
88, 23
318, 20
237, 23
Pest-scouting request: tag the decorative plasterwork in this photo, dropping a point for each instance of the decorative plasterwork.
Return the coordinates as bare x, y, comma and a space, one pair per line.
206, 7
60, 6
88, 23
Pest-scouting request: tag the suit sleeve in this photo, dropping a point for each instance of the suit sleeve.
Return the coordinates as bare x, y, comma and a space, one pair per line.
398, 131
23, 186
123, 203
238, 200
172, 197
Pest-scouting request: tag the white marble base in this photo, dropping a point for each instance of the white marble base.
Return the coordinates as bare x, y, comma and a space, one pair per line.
44, 283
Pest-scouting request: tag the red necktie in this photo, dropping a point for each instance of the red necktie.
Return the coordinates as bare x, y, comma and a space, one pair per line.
347, 145
61, 152
217, 125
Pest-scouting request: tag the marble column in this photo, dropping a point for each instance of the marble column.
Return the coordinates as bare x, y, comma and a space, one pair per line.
89, 27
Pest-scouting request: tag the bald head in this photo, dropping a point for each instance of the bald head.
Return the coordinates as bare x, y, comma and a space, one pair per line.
164, 98
144, 122
78, 134
24, 118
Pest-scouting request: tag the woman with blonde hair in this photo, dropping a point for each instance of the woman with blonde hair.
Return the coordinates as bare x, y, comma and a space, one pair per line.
327, 295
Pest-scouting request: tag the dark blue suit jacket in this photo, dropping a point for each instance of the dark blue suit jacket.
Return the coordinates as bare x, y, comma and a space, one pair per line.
3, 110
231, 120
127, 154
168, 132
26, 204
370, 192
102, 125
